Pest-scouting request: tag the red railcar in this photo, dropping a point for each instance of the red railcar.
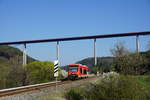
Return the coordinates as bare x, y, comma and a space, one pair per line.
77, 71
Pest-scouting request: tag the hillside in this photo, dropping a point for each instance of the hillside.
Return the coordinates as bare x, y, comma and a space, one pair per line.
8, 53
103, 63
100, 61
12, 72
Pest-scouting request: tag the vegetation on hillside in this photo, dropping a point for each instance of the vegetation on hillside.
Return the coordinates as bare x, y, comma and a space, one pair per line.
103, 64
130, 63
39, 72
14, 74
7, 53
100, 61
123, 61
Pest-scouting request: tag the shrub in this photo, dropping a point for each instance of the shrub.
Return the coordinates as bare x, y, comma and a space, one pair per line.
123, 87
73, 95
114, 87
39, 72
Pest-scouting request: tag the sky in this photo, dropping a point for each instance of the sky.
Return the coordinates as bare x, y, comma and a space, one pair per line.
46, 19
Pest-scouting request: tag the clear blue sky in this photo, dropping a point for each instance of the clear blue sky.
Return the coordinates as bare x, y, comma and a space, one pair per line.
42, 19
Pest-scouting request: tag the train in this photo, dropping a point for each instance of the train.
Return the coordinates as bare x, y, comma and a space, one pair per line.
77, 71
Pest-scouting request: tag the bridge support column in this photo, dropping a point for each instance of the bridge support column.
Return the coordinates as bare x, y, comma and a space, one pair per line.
24, 55
137, 44
95, 58
57, 52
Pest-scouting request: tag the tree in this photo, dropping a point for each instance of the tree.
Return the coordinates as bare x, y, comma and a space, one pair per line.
16, 73
39, 72
4, 73
119, 50
126, 62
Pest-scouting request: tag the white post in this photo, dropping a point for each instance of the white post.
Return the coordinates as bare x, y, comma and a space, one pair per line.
56, 71
57, 48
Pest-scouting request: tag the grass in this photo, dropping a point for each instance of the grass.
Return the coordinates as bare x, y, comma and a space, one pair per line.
143, 80
61, 95
114, 88
52, 96
128, 88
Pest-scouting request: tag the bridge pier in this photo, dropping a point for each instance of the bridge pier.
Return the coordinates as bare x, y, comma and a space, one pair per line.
57, 53
24, 55
137, 44
95, 58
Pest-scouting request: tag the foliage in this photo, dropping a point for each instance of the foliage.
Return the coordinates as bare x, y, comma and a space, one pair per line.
143, 79
129, 63
114, 87
16, 75
73, 95
13, 74
8, 52
61, 73
95, 69
4, 69
118, 88
146, 56
119, 50
39, 72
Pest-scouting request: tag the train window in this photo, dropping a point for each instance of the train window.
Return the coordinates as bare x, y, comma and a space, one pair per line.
85, 71
80, 70
73, 69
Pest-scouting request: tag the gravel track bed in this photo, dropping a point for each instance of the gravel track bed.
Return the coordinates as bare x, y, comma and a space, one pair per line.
41, 92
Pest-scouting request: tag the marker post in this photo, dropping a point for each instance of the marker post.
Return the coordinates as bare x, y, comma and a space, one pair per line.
56, 71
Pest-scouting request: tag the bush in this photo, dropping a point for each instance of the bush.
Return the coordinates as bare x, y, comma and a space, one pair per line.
40, 72
73, 95
115, 87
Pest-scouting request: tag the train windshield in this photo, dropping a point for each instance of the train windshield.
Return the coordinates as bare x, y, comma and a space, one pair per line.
73, 68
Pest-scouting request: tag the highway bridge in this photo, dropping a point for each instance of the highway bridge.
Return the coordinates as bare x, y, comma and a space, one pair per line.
135, 34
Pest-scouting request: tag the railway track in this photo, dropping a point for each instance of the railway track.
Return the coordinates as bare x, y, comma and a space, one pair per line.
29, 88
18, 90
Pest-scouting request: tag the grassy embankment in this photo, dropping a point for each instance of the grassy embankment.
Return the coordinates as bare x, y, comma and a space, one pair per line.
124, 88
114, 87
143, 80
60, 95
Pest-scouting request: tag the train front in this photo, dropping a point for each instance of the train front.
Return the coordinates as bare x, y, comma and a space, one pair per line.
73, 71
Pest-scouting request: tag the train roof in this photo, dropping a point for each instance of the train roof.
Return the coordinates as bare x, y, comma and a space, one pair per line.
74, 64
78, 65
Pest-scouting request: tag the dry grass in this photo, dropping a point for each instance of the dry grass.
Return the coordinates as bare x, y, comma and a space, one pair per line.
60, 95
52, 96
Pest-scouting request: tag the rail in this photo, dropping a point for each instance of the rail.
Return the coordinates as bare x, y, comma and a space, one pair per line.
23, 89
18, 90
